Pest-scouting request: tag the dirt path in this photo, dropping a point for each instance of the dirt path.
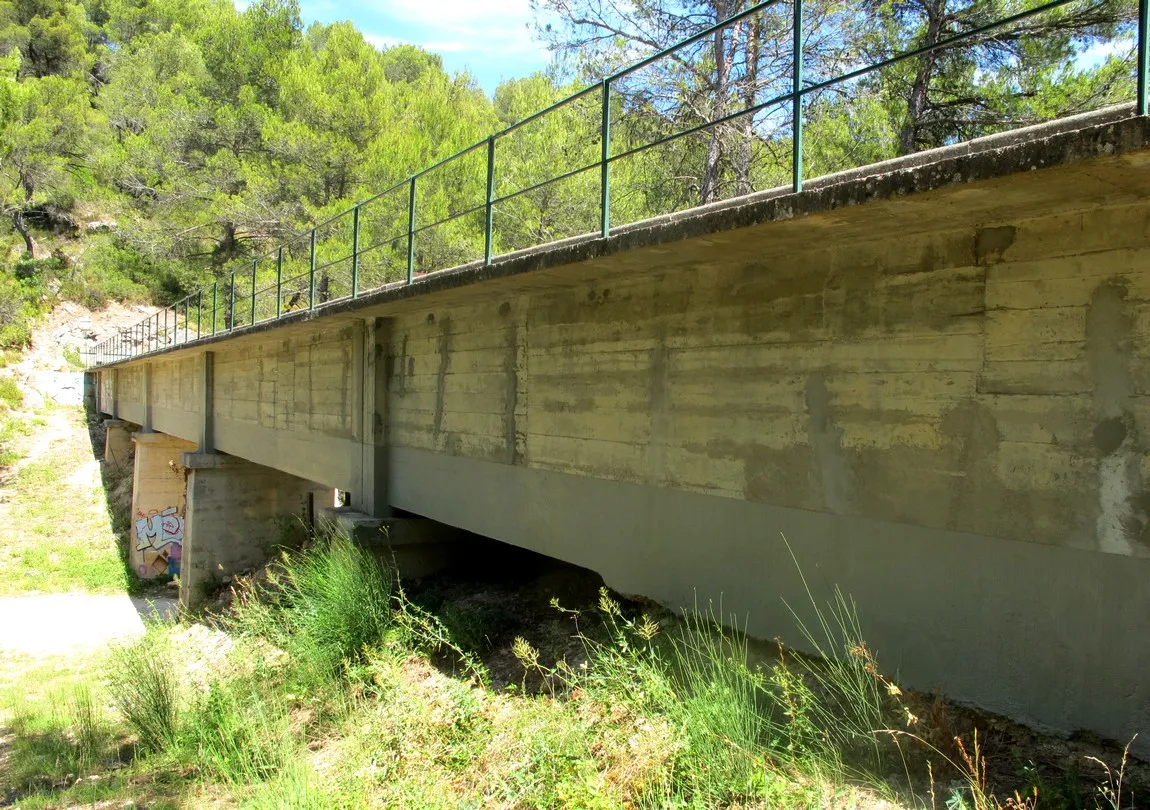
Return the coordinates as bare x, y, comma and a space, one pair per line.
62, 585
57, 624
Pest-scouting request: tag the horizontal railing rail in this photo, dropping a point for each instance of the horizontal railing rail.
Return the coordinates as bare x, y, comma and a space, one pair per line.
327, 262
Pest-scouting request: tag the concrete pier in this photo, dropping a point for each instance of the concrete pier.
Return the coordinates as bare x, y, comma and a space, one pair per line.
238, 513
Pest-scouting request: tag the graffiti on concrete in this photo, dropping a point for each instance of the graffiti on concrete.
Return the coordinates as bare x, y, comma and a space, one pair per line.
159, 542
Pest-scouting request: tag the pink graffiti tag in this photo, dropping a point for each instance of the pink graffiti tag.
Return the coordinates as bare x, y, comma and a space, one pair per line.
159, 530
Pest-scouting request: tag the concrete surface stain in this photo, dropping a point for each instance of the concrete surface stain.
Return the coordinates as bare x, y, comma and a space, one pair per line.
1109, 326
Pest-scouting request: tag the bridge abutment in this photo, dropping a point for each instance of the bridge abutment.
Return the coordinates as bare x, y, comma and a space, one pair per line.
237, 514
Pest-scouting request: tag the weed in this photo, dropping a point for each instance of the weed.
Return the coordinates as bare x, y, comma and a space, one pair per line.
91, 733
145, 688
1110, 791
322, 606
11, 397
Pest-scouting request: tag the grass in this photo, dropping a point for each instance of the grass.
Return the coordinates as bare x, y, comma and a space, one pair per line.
328, 687
147, 689
11, 397
56, 529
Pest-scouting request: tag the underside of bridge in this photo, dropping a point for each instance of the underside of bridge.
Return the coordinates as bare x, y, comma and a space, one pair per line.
929, 381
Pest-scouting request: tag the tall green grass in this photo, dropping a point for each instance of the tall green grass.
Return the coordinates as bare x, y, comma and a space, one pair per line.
146, 688
670, 714
322, 606
56, 739
238, 731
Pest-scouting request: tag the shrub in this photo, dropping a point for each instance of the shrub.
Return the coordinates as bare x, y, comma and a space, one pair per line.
239, 730
145, 688
322, 606
73, 358
10, 394
30, 269
19, 307
111, 271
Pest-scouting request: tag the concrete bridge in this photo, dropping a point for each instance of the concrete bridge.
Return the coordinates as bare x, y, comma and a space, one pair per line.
931, 375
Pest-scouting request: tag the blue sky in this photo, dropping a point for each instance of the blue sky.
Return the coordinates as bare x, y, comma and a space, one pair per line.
490, 38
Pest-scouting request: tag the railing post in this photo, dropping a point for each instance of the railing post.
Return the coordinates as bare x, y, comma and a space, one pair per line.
199, 313
231, 324
311, 275
215, 304
187, 315
279, 282
1143, 54
487, 232
605, 166
411, 232
797, 100
253, 295
355, 252
165, 326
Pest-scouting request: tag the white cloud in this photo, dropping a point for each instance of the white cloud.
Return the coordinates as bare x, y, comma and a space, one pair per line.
1099, 52
481, 27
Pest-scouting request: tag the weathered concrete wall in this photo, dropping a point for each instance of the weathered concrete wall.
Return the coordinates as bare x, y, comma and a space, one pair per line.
158, 504
235, 515
952, 426
292, 403
177, 396
989, 380
130, 403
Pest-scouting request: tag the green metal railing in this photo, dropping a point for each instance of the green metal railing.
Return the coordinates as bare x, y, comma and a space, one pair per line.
306, 265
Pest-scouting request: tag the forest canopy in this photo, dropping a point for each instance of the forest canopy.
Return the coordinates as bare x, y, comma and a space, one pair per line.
150, 146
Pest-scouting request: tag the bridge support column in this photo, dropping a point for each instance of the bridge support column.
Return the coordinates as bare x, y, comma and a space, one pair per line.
117, 441
238, 513
158, 505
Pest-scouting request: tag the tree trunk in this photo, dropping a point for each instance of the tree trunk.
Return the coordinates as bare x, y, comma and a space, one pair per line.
919, 92
745, 133
709, 186
22, 229
228, 246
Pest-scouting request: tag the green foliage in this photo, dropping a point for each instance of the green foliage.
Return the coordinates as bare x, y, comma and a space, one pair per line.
61, 736
323, 606
146, 688
238, 731
201, 135
117, 272
11, 397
